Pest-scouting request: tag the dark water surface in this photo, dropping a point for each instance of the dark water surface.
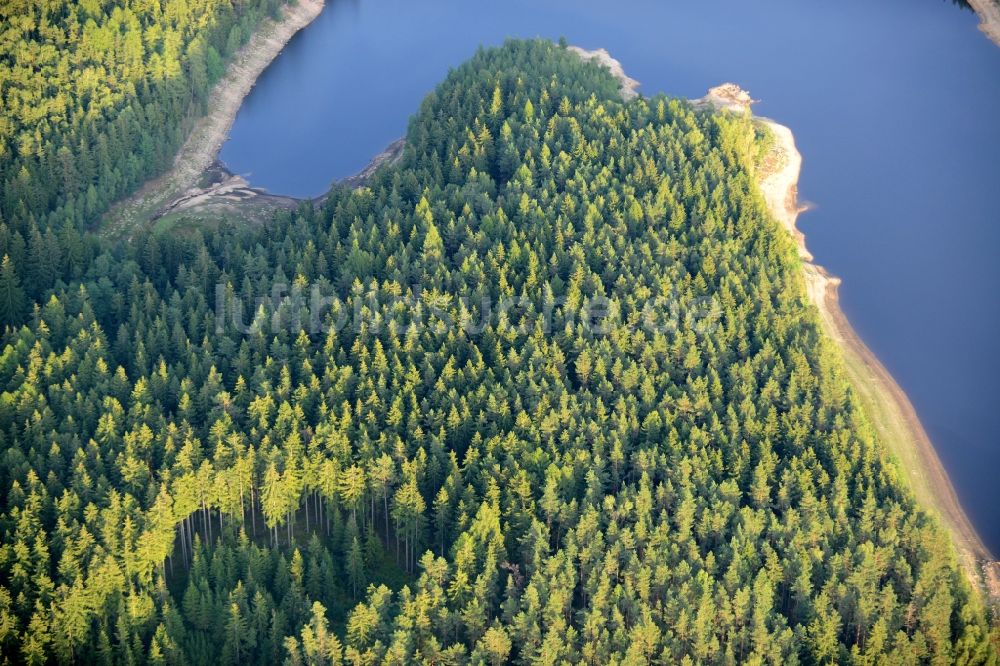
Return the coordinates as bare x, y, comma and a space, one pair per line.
895, 105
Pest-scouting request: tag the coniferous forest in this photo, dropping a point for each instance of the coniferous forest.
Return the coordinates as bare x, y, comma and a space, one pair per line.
563, 399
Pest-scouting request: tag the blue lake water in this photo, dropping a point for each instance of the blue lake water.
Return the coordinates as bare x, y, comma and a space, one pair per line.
895, 105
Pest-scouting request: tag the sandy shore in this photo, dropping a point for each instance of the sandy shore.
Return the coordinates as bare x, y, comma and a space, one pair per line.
181, 183
885, 403
629, 85
989, 18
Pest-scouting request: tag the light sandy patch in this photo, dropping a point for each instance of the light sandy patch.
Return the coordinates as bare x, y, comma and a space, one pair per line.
628, 84
989, 18
224, 195
198, 153
728, 97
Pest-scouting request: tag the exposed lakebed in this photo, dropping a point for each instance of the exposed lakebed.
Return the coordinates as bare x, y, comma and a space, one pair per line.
894, 106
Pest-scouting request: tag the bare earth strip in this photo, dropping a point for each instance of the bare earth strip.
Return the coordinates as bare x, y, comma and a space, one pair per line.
989, 18
884, 402
628, 84
199, 151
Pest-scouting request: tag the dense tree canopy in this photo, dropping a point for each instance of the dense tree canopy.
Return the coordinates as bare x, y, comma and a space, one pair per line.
578, 411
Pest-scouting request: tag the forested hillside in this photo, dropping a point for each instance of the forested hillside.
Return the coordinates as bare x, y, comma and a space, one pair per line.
569, 405
94, 100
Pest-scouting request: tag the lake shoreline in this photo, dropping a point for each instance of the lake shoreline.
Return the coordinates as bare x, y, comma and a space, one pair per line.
224, 194
886, 405
884, 402
168, 192
989, 18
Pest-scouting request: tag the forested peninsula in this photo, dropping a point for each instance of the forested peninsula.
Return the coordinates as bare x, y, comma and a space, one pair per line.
562, 398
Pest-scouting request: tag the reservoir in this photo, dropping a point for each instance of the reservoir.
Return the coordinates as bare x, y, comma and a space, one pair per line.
895, 105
